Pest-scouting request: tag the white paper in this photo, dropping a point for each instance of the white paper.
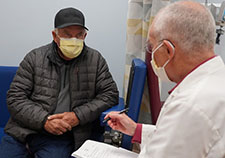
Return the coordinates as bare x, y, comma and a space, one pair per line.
93, 149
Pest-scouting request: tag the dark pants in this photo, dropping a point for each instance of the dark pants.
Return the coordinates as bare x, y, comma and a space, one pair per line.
37, 146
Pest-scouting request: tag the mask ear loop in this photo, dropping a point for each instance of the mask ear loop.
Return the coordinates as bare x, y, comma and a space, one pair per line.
153, 52
173, 53
171, 46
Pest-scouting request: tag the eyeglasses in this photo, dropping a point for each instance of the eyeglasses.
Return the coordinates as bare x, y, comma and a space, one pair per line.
66, 34
148, 47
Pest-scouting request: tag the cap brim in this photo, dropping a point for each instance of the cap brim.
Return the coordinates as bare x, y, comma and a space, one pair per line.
70, 24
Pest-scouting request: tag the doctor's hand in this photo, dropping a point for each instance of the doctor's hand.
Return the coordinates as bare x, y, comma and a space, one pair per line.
68, 117
122, 123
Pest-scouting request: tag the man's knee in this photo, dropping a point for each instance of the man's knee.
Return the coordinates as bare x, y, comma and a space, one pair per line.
10, 147
51, 146
54, 151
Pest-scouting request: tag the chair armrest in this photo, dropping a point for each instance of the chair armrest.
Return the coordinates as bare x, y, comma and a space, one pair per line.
118, 107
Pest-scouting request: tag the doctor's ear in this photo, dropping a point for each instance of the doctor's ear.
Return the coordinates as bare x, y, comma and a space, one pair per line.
170, 47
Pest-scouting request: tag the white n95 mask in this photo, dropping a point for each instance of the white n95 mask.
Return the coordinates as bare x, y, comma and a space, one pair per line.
160, 71
71, 47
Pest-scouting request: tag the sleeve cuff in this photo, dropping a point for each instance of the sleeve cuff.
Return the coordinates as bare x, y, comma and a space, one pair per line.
137, 135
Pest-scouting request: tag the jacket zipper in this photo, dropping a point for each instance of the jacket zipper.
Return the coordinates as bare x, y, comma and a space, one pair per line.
58, 90
78, 78
70, 91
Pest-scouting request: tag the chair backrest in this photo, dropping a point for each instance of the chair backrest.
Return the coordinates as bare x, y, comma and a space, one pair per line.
134, 95
6, 76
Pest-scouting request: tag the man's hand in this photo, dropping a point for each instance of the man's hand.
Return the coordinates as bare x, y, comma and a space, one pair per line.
57, 126
68, 117
122, 123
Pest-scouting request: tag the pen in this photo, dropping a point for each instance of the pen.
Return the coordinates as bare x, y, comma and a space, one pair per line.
122, 111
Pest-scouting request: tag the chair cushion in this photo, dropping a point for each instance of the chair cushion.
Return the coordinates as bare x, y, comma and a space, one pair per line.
1, 134
6, 74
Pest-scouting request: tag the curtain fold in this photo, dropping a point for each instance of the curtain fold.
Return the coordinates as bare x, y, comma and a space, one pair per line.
139, 18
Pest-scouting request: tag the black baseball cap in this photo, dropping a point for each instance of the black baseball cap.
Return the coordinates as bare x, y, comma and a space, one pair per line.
68, 17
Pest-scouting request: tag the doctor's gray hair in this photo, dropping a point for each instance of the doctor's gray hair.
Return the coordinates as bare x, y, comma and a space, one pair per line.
192, 29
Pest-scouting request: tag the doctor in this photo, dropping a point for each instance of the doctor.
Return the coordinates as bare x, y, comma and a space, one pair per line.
192, 121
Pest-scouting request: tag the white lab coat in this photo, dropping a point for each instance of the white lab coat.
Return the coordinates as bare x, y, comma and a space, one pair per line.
191, 123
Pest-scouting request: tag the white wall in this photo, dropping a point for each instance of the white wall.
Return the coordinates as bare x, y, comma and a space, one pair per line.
27, 24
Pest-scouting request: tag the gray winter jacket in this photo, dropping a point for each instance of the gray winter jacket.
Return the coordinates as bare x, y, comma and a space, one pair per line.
35, 88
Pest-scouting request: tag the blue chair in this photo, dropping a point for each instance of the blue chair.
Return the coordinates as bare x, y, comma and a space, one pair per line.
134, 97
6, 76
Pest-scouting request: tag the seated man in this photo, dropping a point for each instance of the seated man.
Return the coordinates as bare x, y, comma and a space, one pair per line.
57, 93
